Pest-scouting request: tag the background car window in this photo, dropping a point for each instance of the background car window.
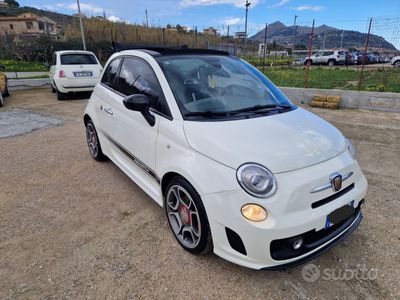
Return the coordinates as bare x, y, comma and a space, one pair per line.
111, 73
137, 77
328, 53
78, 59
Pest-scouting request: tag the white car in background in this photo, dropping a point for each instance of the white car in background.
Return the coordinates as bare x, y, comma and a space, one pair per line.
74, 71
327, 57
395, 62
238, 168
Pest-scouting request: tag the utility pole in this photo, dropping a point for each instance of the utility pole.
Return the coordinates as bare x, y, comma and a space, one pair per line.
294, 32
309, 54
265, 47
341, 40
364, 57
81, 25
227, 40
245, 25
147, 18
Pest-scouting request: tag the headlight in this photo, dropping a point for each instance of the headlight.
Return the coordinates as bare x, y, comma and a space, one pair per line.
256, 180
350, 147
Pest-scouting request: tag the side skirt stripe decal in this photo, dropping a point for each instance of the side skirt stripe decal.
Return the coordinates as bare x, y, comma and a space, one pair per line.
134, 159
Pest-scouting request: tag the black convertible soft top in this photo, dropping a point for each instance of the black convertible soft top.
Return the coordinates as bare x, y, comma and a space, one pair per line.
160, 50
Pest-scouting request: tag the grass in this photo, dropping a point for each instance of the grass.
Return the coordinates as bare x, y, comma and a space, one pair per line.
380, 80
22, 66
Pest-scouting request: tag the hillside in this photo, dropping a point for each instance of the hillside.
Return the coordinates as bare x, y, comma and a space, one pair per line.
283, 35
60, 19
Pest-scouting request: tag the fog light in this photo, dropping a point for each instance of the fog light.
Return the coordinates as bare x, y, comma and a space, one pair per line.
254, 212
297, 243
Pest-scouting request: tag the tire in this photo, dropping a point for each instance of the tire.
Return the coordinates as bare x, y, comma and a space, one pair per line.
187, 217
331, 63
7, 92
397, 64
93, 142
61, 96
53, 90
306, 62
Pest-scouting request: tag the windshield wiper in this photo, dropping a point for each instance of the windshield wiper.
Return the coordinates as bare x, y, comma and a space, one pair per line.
207, 113
255, 109
258, 108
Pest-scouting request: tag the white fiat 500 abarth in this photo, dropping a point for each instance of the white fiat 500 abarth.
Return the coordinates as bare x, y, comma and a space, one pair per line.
239, 169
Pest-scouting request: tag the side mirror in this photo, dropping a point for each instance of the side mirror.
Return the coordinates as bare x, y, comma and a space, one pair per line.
140, 103
2, 67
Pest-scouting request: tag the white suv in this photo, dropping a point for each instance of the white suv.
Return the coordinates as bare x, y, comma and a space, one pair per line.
328, 57
395, 61
74, 71
238, 168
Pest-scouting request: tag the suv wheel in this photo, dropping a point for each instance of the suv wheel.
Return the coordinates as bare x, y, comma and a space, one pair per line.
93, 142
187, 217
306, 62
397, 64
331, 63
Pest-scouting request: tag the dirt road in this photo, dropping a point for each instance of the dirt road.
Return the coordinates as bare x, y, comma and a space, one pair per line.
74, 228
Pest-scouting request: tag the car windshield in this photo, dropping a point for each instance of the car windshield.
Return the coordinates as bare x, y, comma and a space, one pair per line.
78, 59
208, 86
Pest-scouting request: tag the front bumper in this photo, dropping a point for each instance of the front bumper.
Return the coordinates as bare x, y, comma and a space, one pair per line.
290, 214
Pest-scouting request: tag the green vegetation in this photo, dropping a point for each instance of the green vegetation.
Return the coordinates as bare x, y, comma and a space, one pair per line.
22, 66
379, 80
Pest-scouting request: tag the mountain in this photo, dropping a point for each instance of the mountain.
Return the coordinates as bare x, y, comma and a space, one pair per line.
283, 35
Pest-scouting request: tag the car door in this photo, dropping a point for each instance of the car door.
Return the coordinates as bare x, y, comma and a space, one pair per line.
105, 99
135, 138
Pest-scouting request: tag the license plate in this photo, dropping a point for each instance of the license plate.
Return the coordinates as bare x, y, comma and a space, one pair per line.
339, 215
83, 74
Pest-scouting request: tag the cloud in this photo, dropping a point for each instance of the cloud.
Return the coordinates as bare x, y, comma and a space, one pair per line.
280, 3
114, 19
231, 21
85, 7
237, 3
309, 7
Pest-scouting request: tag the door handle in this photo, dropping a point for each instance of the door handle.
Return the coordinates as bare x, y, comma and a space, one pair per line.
109, 111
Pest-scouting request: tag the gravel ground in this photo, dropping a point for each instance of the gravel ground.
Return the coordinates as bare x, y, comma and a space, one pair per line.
74, 228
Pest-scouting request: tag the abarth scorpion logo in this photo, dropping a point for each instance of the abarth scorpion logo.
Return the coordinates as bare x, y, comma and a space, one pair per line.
336, 181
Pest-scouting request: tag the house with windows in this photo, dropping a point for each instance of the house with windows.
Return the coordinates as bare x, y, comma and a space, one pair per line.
27, 25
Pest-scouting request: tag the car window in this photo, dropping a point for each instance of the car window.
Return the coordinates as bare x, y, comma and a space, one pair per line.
110, 73
342, 53
54, 60
328, 53
137, 77
78, 59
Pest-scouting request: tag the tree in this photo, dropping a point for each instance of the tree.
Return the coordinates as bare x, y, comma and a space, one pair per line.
12, 3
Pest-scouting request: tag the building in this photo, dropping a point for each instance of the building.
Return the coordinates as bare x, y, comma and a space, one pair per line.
3, 4
210, 30
27, 25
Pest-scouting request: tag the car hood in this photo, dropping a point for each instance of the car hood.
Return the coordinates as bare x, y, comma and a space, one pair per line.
281, 142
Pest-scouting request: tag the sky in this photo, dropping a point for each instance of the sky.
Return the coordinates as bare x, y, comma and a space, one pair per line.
342, 14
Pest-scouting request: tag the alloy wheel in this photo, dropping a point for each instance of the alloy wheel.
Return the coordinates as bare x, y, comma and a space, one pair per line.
183, 216
92, 140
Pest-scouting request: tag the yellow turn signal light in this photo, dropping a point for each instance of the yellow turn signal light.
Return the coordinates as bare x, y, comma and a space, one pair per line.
254, 212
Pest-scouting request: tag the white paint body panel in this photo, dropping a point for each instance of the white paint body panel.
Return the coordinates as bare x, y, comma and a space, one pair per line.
301, 149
